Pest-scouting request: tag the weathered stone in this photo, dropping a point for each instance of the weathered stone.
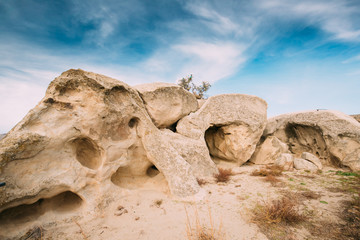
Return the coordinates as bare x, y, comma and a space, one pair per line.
2, 136
332, 136
302, 164
194, 151
166, 103
92, 138
356, 116
269, 151
233, 124
201, 102
310, 157
286, 161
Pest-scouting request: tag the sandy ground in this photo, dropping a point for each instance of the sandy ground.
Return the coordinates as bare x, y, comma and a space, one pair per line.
225, 207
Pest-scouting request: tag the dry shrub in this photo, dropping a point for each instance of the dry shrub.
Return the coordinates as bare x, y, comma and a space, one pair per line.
269, 170
223, 175
201, 181
274, 181
351, 215
283, 211
201, 231
310, 195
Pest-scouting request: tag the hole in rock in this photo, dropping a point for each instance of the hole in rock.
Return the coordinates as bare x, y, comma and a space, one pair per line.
173, 127
213, 135
87, 152
61, 203
133, 122
304, 138
152, 171
125, 178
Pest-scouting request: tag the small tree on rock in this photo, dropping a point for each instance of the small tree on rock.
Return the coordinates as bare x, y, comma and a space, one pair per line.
198, 90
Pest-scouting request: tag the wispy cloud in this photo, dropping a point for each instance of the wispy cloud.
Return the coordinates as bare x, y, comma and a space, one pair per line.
211, 61
339, 18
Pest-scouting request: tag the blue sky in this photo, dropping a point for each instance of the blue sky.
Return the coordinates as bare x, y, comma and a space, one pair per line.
297, 55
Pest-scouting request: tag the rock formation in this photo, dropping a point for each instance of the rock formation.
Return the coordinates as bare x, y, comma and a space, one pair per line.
269, 151
331, 136
232, 124
92, 139
166, 103
87, 137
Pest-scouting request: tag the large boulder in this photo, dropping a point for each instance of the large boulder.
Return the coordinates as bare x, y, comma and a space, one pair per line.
232, 124
312, 158
302, 164
91, 139
331, 136
285, 161
269, 151
166, 103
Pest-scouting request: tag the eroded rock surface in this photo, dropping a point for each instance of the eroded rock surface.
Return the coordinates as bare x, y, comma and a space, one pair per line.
166, 103
331, 136
232, 124
269, 151
89, 139
285, 161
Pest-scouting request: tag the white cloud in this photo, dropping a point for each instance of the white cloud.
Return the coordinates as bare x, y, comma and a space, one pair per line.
210, 61
337, 17
352, 59
17, 98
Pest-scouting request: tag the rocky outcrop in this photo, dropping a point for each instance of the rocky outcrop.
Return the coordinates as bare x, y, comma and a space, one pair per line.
356, 116
311, 158
269, 151
232, 124
331, 136
285, 161
166, 103
91, 138
2, 136
302, 164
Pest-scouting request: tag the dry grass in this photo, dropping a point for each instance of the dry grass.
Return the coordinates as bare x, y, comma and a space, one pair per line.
269, 170
310, 195
351, 215
283, 211
223, 175
158, 202
201, 181
274, 181
201, 231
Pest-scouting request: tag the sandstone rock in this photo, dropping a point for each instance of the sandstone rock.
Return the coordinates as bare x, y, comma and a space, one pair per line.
286, 161
89, 140
332, 136
201, 102
302, 164
232, 124
166, 103
356, 116
194, 151
269, 151
2, 136
310, 157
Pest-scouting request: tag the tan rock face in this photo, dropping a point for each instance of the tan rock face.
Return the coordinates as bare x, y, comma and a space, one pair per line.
331, 136
286, 161
311, 158
302, 164
232, 124
166, 103
269, 151
89, 140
